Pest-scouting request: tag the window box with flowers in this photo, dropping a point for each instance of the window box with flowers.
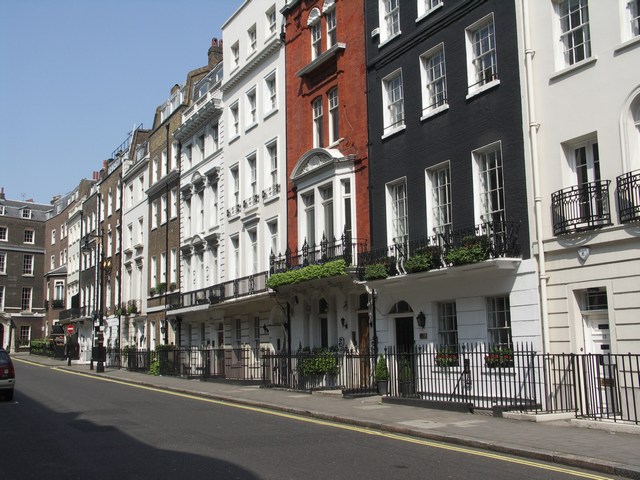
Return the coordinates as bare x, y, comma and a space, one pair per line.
499, 357
446, 358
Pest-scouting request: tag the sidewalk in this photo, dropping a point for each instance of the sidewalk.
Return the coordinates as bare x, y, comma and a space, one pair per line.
560, 441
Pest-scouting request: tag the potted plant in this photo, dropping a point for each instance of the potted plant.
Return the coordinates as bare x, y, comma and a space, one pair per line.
161, 287
382, 376
152, 292
405, 377
172, 286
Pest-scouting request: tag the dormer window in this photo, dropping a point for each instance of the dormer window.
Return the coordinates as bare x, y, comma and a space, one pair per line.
26, 213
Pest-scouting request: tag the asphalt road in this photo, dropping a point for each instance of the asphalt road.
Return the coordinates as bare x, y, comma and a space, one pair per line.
69, 426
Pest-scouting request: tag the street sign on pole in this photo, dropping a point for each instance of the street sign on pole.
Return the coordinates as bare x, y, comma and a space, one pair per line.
70, 329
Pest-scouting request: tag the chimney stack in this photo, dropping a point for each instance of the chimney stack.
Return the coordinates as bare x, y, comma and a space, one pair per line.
2, 193
215, 52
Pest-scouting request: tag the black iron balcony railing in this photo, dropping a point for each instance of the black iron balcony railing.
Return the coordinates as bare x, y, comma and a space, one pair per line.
629, 197
345, 248
73, 313
581, 207
238, 288
484, 241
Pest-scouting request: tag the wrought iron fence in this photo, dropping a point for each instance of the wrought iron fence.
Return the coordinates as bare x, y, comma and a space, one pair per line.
482, 376
241, 363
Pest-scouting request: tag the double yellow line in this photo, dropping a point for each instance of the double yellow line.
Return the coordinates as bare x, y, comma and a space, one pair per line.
352, 428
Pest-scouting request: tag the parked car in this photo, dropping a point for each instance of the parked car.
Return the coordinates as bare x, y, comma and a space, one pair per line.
7, 375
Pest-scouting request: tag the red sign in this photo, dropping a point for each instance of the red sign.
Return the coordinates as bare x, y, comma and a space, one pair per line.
70, 329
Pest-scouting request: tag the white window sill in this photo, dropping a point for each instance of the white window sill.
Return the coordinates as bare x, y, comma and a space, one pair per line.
270, 113
483, 88
576, 67
434, 112
426, 14
250, 127
390, 39
234, 138
628, 45
393, 132
336, 143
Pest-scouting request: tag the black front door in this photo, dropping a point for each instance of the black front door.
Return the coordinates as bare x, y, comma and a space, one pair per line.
404, 334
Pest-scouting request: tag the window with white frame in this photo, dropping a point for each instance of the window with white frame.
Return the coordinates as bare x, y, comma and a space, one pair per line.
271, 94
238, 333
173, 263
1, 298
201, 147
26, 213
163, 209
346, 201
434, 94
154, 214
326, 195
252, 236
58, 293
129, 236
481, 53
251, 113
315, 30
398, 214
488, 162
163, 267
632, 12
27, 264
52, 265
164, 165
109, 243
439, 202
154, 170
448, 326
272, 156
187, 154
25, 303
154, 271
393, 102
575, 36
252, 39
389, 19
235, 55
234, 117
3, 263
25, 334
215, 136
188, 224
213, 208
334, 130
174, 202
140, 231
425, 7
272, 228
63, 230
330, 19
3, 210
252, 178
235, 256
235, 187
318, 120
499, 322
4, 234
29, 235
53, 236
271, 21
308, 200
201, 207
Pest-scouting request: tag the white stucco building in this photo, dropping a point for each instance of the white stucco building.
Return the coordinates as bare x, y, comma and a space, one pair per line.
583, 93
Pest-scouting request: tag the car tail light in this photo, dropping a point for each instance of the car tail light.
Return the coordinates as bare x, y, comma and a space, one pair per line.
7, 371
12, 372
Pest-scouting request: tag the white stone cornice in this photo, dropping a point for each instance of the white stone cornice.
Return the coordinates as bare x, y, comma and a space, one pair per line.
269, 49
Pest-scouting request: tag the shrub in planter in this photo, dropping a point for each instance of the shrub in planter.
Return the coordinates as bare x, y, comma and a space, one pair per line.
161, 287
320, 362
375, 271
419, 262
473, 249
152, 292
310, 272
382, 372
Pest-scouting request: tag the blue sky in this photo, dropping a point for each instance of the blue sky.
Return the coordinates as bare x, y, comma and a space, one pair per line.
77, 75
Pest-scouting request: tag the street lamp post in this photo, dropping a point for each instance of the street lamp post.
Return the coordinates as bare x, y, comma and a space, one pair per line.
103, 266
